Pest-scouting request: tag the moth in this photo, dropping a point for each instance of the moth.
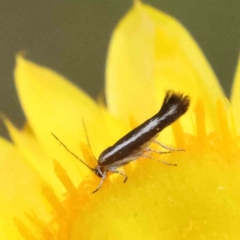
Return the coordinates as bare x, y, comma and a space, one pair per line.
135, 144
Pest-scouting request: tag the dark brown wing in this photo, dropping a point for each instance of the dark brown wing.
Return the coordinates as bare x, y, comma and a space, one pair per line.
174, 106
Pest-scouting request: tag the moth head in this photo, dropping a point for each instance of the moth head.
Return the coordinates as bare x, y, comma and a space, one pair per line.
99, 171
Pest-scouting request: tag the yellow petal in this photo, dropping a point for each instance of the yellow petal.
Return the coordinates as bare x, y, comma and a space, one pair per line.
20, 191
130, 67
39, 161
52, 104
149, 53
235, 97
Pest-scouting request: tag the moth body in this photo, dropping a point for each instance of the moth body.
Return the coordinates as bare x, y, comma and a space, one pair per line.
136, 143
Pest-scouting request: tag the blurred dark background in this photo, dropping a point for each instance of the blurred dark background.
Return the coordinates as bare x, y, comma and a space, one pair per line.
72, 36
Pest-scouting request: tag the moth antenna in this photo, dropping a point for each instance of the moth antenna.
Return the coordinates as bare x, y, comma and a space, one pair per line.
71, 152
85, 130
88, 142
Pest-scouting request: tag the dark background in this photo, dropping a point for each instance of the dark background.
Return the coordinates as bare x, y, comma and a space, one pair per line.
72, 36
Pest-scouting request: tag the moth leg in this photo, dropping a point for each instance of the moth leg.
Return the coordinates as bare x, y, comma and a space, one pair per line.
167, 163
166, 147
121, 173
149, 150
101, 183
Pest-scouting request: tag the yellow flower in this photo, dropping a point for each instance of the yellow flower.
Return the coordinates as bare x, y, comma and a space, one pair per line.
46, 192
